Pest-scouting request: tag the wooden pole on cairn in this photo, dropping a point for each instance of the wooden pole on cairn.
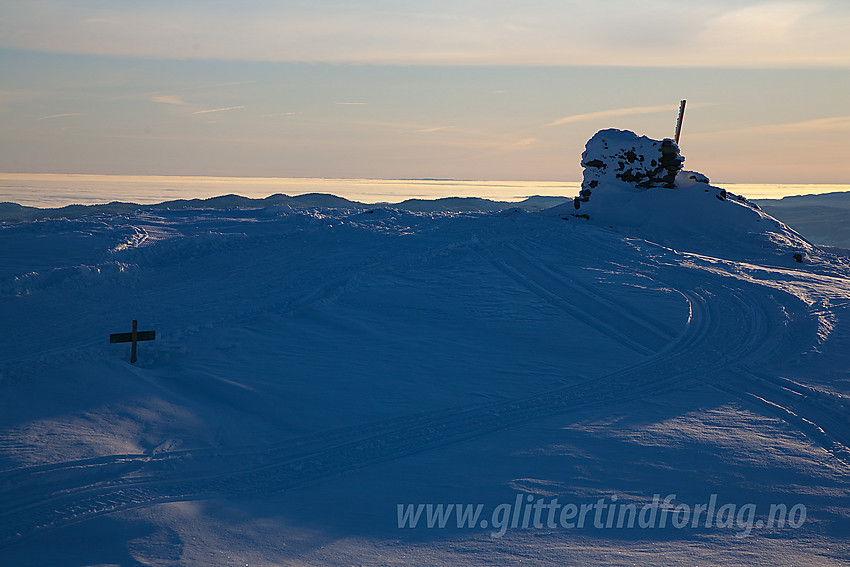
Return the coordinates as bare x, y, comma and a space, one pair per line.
679, 121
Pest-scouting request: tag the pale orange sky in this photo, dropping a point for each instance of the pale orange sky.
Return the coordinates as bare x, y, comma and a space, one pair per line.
465, 90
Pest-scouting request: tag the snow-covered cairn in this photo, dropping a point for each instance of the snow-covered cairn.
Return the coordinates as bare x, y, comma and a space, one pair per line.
623, 155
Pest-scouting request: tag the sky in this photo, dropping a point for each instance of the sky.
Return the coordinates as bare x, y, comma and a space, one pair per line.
489, 90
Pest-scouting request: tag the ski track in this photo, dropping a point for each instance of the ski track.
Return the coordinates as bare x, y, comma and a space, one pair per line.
581, 302
717, 346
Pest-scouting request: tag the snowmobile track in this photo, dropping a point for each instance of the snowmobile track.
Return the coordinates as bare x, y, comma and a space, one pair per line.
585, 305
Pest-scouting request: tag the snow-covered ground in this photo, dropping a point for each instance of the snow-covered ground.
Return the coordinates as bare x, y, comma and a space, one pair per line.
824, 219
316, 368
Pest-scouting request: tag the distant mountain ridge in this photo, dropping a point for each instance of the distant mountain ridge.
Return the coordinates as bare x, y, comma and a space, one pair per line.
823, 219
13, 212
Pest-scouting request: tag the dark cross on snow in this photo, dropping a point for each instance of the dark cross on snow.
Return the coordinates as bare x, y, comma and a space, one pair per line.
133, 337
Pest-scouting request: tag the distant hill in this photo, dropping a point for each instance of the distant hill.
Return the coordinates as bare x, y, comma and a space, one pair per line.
13, 212
823, 219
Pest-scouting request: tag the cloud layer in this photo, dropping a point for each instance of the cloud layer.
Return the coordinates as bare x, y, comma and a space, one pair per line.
701, 33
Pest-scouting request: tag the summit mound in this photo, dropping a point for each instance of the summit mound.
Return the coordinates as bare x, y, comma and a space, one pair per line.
638, 185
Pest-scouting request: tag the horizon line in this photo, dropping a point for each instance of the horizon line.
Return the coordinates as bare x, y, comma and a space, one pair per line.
391, 179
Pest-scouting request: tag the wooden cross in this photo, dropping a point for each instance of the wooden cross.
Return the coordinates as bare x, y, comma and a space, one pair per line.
133, 337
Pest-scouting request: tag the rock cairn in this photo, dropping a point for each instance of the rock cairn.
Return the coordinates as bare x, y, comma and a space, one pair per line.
623, 155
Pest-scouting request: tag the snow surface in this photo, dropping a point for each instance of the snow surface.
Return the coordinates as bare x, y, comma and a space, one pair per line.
823, 219
316, 367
